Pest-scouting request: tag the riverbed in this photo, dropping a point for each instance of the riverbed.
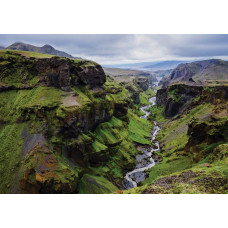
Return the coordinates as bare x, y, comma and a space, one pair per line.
145, 160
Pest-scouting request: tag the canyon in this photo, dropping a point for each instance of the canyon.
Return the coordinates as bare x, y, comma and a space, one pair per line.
67, 126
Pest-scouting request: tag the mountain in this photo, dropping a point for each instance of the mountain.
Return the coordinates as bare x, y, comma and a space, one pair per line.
46, 49
1, 48
206, 71
149, 66
164, 65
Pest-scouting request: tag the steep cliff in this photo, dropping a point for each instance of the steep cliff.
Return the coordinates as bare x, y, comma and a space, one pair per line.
64, 126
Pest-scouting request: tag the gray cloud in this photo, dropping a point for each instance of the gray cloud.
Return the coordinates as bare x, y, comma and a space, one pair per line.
111, 49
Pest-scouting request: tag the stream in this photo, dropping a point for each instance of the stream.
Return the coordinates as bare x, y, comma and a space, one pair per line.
145, 160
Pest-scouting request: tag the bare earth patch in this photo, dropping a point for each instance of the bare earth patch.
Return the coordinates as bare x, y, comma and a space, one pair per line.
70, 100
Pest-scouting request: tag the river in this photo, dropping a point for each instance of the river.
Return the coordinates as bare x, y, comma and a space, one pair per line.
145, 160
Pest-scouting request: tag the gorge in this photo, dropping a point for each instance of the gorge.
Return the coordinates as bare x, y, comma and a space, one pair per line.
145, 161
66, 126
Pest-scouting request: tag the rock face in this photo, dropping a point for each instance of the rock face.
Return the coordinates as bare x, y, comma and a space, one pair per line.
43, 173
91, 75
46, 49
177, 98
58, 72
198, 72
64, 73
205, 133
142, 82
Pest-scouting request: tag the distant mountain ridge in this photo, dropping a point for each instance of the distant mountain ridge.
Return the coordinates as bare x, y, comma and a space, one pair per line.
46, 49
198, 72
149, 66
164, 65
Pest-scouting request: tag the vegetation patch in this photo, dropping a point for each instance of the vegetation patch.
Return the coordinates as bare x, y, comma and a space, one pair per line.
139, 129
90, 184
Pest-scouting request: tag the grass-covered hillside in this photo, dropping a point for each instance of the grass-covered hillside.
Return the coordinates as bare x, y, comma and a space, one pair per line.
194, 142
66, 127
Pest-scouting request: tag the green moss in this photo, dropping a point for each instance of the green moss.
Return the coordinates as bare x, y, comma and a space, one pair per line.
144, 97
220, 152
112, 138
173, 135
97, 146
17, 104
85, 96
24, 53
10, 152
168, 167
157, 113
90, 184
174, 94
17, 72
139, 129
61, 113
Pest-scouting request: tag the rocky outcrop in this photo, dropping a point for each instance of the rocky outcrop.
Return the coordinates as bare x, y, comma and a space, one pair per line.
43, 173
177, 98
64, 73
91, 75
203, 134
198, 72
142, 83
57, 72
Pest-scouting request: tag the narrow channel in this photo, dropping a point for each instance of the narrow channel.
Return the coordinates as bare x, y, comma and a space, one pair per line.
145, 160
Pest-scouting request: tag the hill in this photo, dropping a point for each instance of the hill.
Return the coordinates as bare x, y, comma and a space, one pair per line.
201, 72
46, 49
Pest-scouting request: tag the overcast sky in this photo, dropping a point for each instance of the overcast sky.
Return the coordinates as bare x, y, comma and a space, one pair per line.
117, 49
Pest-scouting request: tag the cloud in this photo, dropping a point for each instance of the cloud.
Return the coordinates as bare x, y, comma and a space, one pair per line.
115, 49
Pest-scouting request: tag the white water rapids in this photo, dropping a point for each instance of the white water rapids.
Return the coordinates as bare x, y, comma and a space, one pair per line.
144, 161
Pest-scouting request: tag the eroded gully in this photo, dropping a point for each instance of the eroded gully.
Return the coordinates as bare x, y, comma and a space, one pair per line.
145, 160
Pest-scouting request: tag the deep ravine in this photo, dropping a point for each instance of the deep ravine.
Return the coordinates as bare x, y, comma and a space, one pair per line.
144, 161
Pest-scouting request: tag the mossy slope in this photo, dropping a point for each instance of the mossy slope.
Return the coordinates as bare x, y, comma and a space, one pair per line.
50, 145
